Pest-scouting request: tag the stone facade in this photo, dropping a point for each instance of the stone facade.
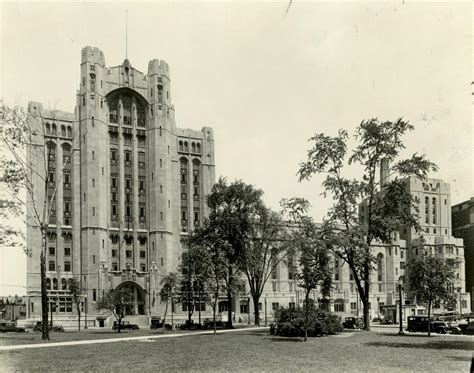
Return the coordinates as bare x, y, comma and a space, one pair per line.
131, 185
463, 227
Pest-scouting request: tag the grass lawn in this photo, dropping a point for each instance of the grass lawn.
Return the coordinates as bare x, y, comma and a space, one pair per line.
254, 351
7, 339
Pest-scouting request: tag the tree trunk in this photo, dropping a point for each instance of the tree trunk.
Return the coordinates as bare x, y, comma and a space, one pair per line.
229, 309
199, 306
172, 321
44, 291
365, 298
214, 306
429, 317
229, 300
164, 316
306, 315
256, 310
78, 316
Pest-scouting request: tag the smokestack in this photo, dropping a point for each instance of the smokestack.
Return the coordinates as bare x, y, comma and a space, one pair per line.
384, 172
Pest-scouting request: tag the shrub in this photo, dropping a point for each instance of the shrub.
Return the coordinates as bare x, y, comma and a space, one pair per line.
290, 323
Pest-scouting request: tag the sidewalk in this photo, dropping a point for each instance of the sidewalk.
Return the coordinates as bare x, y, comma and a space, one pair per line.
122, 339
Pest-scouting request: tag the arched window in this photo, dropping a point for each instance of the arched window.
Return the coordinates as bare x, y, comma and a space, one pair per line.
380, 267
54, 130
55, 284
48, 283
186, 149
180, 146
198, 148
69, 131
48, 129
434, 210
63, 284
63, 131
193, 147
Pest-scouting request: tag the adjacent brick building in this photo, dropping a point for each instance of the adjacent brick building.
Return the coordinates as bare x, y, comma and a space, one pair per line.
463, 227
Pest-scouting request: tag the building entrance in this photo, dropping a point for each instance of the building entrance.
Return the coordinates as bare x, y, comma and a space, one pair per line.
132, 298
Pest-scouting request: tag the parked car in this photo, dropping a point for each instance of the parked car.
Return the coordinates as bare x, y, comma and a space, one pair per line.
125, 325
158, 324
6, 327
467, 327
420, 324
54, 328
353, 322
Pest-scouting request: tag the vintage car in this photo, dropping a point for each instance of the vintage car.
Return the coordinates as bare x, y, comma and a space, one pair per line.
6, 326
352, 322
125, 325
52, 328
420, 324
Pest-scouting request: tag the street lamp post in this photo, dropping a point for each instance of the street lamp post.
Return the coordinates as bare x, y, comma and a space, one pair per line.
460, 301
400, 282
85, 311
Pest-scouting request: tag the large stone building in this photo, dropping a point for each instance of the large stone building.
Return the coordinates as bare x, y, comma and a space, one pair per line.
463, 227
130, 186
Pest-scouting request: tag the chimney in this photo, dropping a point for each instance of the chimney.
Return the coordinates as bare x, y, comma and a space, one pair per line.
384, 172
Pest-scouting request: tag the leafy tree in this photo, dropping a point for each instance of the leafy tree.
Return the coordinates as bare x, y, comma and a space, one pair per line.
170, 293
314, 254
385, 212
264, 247
75, 289
430, 278
231, 211
206, 244
116, 301
28, 188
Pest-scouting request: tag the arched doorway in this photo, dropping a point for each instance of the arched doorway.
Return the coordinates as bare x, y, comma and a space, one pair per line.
134, 296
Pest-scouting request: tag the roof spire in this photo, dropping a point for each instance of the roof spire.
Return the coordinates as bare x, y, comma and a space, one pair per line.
126, 33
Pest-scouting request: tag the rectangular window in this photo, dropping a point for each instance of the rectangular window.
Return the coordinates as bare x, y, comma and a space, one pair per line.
142, 254
67, 266
52, 265
353, 305
275, 306
52, 250
274, 286
94, 295
128, 253
93, 259
114, 253
142, 267
114, 266
67, 251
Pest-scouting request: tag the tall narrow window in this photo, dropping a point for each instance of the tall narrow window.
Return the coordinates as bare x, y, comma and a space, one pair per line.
184, 195
427, 210
434, 210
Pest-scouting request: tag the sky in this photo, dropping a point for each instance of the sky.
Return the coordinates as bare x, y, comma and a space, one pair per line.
266, 81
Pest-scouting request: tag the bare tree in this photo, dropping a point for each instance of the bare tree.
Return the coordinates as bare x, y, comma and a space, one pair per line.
30, 178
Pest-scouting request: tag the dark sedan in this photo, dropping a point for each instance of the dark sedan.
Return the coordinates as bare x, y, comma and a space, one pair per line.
6, 327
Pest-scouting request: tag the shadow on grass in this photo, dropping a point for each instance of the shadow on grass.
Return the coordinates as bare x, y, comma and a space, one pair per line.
285, 339
434, 345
